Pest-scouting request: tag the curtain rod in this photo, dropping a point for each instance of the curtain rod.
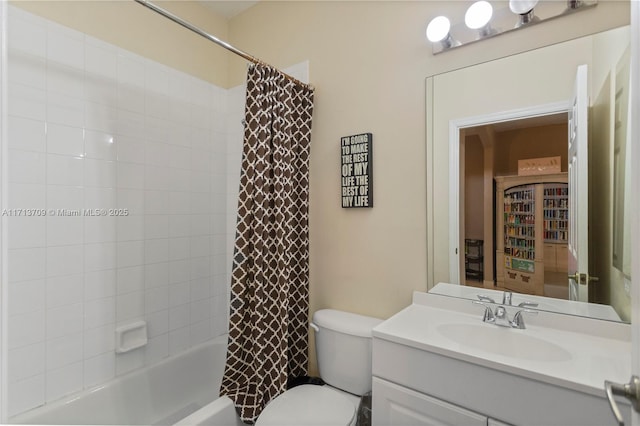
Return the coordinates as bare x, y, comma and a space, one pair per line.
214, 39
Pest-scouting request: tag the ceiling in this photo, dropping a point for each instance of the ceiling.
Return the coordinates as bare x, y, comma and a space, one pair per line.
228, 8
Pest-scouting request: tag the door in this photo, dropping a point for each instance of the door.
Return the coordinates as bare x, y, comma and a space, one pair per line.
578, 246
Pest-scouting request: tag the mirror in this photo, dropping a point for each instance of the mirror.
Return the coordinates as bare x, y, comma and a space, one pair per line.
509, 87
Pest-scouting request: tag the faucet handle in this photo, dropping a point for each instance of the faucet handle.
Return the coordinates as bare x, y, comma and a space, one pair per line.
518, 321
527, 305
488, 313
506, 297
486, 298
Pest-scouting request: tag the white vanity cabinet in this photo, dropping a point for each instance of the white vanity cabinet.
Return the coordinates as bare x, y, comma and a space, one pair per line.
423, 377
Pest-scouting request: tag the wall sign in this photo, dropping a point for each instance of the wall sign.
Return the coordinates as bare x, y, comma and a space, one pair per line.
357, 183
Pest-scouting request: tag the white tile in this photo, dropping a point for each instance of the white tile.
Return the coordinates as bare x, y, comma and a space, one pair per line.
200, 181
64, 290
130, 150
64, 197
156, 251
26, 361
100, 90
201, 203
157, 154
131, 228
157, 105
179, 180
179, 203
65, 80
100, 256
157, 178
30, 71
64, 170
100, 229
130, 306
26, 329
26, 296
179, 85
157, 349
64, 230
64, 260
65, 140
201, 332
101, 117
179, 340
200, 289
64, 351
131, 199
130, 279
180, 113
130, 176
156, 275
179, 134
157, 79
131, 124
180, 157
100, 59
131, 69
64, 381
131, 98
26, 167
130, 253
156, 202
129, 361
27, 264
65, 110
99, 312
27, 35
179, 226
99, 284
26, 196
179, 317
158, 131
26, 394
156, 226
99, 340
27, 231
65, 46
200, 311
100, 173
156, 299
179, 271
100, 198
100, 145
99, 370
200, 267
178, 248
64, 321
26, 134
179, 294
157, 323
199, 246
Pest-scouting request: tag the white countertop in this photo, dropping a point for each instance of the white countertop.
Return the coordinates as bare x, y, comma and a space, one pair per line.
591, 350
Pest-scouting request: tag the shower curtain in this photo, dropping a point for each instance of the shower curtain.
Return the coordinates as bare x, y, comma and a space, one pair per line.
268, 323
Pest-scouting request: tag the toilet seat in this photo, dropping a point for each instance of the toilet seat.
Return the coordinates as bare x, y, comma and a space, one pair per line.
308, 405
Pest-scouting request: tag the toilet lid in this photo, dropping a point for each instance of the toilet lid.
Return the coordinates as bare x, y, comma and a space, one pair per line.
308, 405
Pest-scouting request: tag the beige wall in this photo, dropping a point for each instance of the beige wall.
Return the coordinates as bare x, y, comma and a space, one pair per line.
133, 27
474, 188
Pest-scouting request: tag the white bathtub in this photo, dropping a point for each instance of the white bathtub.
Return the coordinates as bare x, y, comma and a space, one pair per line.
179, 390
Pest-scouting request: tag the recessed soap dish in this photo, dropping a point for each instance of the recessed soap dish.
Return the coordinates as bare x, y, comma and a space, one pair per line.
131, 336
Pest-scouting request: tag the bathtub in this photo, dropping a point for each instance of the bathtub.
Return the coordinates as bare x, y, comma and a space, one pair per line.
179, 390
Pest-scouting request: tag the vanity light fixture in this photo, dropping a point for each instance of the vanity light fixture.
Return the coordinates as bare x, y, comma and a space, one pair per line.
478, 17
481, 21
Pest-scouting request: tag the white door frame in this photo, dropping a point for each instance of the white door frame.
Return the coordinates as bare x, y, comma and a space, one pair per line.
455, 222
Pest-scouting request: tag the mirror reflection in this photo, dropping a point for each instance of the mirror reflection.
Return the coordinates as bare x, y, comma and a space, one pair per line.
535, 158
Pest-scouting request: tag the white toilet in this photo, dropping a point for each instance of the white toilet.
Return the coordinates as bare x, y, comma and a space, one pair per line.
343, 349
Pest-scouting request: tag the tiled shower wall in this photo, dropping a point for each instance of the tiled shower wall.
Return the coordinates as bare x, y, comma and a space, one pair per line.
92, 126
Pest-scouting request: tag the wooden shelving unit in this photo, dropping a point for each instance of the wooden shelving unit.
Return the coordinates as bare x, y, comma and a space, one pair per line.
521, 231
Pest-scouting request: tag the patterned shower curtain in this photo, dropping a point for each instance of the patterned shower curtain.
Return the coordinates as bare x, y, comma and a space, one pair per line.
268, 327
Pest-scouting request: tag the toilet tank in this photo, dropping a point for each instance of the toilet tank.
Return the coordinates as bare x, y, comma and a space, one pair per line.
343, 349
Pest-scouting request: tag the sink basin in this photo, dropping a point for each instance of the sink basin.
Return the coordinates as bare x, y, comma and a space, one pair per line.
504, 341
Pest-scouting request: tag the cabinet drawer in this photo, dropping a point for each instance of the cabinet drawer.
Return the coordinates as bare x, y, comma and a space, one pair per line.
550, 257
562, 257
399, 406
518, 281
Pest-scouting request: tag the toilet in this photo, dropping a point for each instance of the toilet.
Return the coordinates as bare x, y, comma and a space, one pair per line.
343, 350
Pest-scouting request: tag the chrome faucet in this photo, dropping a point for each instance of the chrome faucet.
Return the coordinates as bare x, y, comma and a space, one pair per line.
500, 316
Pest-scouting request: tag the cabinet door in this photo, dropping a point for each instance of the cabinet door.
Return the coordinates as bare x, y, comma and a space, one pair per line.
550, 258
399, 406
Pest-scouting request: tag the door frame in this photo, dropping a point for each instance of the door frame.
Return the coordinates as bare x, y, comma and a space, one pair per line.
456, 170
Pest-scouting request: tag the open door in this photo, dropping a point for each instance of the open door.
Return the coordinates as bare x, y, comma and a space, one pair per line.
578, 241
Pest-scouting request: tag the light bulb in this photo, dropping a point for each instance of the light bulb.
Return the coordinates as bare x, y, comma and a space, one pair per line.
478, 15
521, 7
438, 29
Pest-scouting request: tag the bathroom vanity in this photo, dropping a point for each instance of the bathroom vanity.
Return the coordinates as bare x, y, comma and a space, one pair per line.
438, 363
